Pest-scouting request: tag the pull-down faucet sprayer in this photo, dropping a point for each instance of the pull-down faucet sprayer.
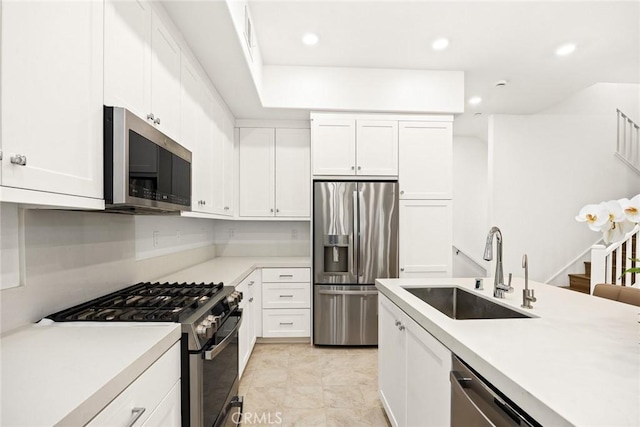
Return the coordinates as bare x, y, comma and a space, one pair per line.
499, 288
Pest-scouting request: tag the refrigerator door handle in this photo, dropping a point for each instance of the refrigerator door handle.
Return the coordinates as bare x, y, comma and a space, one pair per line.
362, 293
360, 221
356, 237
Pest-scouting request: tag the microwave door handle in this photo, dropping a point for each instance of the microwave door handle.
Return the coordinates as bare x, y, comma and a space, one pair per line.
213, 351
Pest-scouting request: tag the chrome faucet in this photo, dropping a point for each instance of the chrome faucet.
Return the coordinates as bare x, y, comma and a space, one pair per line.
499, 288
527, 294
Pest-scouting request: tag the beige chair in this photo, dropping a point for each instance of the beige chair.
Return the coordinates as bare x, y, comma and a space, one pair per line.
623, 294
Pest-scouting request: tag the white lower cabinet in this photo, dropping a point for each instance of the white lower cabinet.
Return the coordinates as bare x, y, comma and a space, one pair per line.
413, 370
153, 398
251, 326
286, 302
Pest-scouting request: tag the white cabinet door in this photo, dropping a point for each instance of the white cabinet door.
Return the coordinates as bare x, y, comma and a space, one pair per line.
391, 361
255, 286
428, 388
293, 151
334, 146
127, 55
426, 160
167, 413
425, 234
52, 98
203, 162
257, 149
165, 79
377, 147
229, 166
244, 332
194, 135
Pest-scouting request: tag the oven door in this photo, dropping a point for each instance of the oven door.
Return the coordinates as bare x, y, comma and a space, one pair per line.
220, 402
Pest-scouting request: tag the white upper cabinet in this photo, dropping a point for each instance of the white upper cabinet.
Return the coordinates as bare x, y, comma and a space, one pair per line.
351, 147
257, 172
51, 97
274, 172
425, 238
426, 160
142, 65
222, 165
197, 135
293, 175
127, 53
165, 79
377, 147
334, 146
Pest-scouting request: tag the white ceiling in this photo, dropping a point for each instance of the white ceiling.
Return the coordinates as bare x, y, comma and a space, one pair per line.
489, 41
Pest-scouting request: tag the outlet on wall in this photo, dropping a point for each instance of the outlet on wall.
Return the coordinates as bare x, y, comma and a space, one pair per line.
232, 233
294, 234
156, 238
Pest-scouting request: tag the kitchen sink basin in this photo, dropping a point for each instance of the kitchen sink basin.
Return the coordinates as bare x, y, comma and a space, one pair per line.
460, 304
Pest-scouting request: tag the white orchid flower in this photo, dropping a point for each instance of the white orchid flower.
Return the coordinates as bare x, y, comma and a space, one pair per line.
631, 208
596, 216
618, 226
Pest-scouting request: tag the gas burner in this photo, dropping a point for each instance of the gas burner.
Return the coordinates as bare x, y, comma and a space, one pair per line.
144, 302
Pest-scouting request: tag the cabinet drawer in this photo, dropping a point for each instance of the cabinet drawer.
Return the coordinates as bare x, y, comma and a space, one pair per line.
286, 295
286, 275
293, 322
147, 391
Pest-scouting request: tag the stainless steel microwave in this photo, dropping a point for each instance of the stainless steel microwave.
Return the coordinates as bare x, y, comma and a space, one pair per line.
145, 171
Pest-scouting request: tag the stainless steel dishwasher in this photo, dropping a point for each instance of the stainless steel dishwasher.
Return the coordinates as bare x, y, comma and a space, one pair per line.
476, 403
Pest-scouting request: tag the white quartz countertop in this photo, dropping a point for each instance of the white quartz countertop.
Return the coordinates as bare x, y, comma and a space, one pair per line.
577, 363
232, 270
65, 373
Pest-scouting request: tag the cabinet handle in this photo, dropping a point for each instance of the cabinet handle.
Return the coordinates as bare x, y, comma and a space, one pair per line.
0, 154
401, 327
401, 191
398, 323
226, 208
286, 323
150, 116
271, 210
353, 167
277, 210
251, 283
136, 413
251, 299
401, 268
286, 275
359, 168
286, 296
204, 202
157, 121
19, 160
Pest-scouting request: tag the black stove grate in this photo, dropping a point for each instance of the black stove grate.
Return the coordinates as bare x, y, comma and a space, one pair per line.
144, 302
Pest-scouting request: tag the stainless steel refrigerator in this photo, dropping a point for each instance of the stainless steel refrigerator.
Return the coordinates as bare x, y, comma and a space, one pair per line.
355, 241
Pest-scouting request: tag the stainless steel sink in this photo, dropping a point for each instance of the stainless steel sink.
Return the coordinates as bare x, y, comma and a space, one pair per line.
460, 304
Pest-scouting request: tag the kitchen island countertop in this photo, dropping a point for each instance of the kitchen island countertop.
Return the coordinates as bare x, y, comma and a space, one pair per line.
577, 363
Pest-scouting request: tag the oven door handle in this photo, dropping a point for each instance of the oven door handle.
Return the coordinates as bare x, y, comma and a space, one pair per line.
216, 349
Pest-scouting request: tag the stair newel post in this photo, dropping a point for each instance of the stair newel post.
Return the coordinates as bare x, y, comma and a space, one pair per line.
598, 266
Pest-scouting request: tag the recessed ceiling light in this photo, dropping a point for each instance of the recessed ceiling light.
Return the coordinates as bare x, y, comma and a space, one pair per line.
440, 44
565, 49
310, 39
475, 100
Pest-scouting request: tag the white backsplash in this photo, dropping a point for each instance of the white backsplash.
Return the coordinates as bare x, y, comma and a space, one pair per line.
262, 238
71, 257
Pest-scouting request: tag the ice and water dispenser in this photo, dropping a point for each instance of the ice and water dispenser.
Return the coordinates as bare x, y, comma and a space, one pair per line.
337, 253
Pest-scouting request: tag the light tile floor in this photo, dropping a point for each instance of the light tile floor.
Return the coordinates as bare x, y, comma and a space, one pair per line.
302, 385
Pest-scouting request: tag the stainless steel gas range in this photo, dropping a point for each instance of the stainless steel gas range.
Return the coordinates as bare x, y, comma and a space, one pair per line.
210, 319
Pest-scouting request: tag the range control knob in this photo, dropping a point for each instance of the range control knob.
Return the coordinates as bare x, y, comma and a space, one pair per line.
201, 330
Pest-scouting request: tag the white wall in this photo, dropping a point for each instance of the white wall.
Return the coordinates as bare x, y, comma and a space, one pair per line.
470, 192
72, 257
544, 167
163, 235
262, 238
362, 89
9, 244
